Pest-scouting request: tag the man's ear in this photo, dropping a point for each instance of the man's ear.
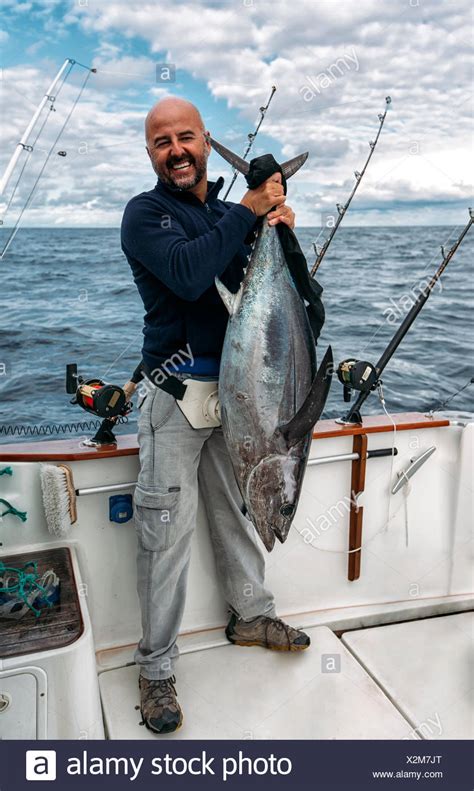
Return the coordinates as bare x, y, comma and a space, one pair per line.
207, 138
147, 151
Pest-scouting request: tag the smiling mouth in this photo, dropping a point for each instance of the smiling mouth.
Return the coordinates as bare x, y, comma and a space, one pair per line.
182, 166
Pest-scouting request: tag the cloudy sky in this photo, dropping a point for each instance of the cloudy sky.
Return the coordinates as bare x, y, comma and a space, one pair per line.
333, 63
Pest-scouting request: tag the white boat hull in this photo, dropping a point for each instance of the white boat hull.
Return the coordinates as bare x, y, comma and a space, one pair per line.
308, 575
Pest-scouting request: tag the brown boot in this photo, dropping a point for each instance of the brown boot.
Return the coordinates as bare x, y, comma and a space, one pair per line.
270, 633
159, 705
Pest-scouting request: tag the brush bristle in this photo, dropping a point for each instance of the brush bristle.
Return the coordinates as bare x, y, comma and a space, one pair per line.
56, 499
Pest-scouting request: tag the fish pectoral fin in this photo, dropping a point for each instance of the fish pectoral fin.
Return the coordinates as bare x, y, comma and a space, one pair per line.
230, 300
310, 411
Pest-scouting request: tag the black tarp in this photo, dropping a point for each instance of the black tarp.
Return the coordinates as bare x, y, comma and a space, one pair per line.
260, 169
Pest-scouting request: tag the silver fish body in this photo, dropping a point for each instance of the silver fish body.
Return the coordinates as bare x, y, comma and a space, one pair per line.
268, 369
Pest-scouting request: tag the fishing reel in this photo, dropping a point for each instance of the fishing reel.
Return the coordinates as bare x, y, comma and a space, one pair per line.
104, 400
356, 375
95, 396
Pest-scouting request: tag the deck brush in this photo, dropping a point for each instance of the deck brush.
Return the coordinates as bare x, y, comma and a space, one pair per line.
59, 497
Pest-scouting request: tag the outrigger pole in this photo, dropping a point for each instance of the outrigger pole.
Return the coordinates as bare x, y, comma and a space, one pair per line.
342, 209
371, 377
251, 137
27, 145
23, 143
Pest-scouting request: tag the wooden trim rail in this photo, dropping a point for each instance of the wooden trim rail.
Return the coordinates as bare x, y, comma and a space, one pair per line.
73, 450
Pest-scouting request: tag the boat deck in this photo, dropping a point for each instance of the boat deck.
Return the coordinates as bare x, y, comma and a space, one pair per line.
425, 668
389, 682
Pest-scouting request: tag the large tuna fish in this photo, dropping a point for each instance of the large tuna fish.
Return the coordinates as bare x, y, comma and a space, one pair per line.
270, 394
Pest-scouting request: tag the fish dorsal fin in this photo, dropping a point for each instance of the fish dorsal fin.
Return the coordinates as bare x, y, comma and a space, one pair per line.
230, 300
310, 411
290, 167
237, 162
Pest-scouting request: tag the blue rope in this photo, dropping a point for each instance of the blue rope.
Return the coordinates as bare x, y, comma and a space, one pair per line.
26, 582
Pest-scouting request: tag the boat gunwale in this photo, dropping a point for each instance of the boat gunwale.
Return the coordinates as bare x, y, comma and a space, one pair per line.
127, 445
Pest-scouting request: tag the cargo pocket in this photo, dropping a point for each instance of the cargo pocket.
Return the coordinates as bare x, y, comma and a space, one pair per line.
141, 401
155, 518
162, 406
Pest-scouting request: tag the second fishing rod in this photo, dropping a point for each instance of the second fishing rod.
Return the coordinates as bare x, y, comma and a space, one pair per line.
364, 377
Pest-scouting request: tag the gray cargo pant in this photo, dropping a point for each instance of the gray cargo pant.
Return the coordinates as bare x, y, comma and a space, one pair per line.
175, 462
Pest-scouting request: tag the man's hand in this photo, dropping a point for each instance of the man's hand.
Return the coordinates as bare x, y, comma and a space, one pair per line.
266, 196
282, 214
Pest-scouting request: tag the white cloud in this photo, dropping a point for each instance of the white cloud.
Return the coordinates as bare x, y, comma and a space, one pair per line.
105, 160
355, 54
115, 71
351, 55
159, 93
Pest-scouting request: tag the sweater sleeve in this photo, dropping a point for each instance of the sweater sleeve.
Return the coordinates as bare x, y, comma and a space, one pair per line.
187, 266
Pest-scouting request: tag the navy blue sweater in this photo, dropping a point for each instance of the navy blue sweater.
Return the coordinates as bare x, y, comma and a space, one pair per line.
176, 245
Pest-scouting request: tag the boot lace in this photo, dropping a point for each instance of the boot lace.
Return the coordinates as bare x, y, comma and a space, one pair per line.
280, 626
164, 690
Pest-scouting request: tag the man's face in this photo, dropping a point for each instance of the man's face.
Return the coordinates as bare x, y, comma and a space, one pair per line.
177, 147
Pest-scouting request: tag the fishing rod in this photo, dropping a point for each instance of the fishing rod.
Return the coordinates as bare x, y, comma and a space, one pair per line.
363, 376
448, 400
27, 145
341, 210
251, 137
23, 144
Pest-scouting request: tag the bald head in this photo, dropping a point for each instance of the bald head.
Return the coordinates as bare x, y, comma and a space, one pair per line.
170, 110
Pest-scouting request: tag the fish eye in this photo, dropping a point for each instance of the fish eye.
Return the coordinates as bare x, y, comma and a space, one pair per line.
287, 509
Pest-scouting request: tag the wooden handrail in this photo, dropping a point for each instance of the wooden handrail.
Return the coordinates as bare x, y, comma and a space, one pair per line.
72, 450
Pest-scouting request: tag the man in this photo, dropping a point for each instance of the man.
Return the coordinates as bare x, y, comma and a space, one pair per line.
177, 238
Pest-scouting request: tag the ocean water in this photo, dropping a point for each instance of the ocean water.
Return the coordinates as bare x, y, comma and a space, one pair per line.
67, 295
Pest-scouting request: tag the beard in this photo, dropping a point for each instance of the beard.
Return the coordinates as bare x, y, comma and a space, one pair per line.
173, 178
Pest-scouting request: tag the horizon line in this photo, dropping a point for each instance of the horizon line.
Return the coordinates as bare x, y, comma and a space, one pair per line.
298, 227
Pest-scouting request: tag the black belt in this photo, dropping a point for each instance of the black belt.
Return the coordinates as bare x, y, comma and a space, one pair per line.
171, 384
